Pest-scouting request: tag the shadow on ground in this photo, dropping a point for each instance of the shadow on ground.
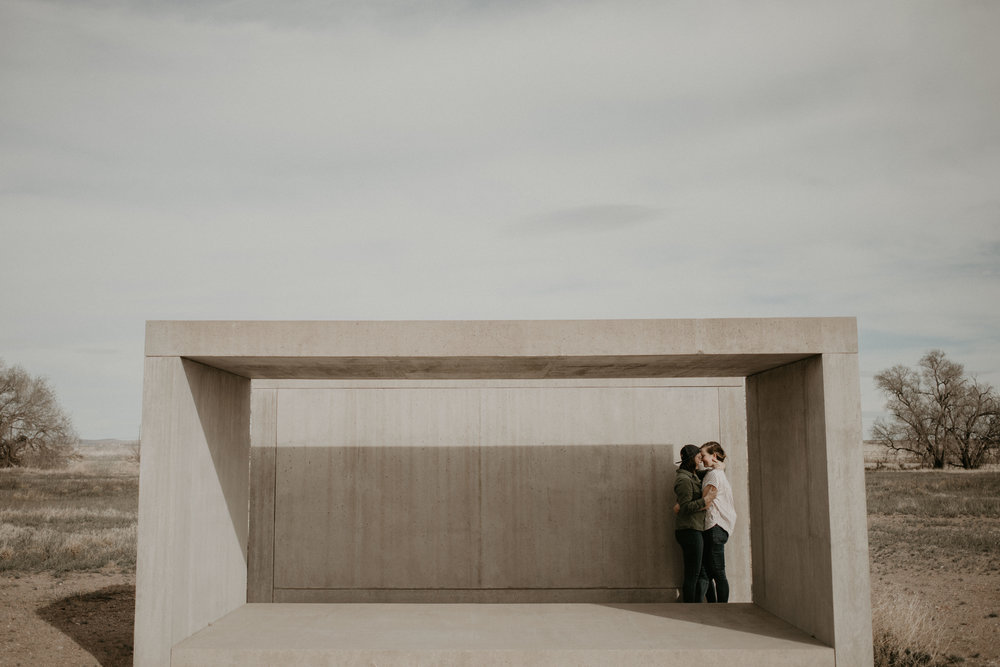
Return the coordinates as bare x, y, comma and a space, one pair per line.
101, 622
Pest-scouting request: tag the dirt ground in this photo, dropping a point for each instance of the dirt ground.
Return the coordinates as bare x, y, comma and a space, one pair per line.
932, 536
80, 618
86, 618
965, 605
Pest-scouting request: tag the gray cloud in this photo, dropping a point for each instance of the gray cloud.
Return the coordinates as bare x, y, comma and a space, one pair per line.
595, 217
302, 14
489, 160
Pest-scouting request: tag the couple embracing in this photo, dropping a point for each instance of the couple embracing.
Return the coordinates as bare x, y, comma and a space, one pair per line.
705, 518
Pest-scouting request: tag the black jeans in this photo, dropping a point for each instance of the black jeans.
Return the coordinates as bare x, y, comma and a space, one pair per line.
695, 579
714, 561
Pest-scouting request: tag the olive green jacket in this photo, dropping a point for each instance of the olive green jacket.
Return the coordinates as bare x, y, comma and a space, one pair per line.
687, 487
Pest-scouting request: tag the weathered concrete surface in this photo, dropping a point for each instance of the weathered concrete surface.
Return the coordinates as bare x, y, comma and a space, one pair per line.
502, 338
848, 510
733, 437
811, 566
549, 368
460, 492
792, 577
488, 634
193, 502
502, 349
260, 548
801, 421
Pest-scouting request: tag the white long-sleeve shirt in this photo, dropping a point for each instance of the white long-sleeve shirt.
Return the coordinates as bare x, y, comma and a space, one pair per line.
722, 512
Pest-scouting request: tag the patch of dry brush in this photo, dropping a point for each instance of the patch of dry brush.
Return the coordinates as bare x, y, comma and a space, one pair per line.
923, 521
58, 521
905, 633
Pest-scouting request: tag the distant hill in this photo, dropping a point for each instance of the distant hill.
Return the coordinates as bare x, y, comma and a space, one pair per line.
107, 442
878, 455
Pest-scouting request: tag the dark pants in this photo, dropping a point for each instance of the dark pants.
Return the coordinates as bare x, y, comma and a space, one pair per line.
714, 562
695, 578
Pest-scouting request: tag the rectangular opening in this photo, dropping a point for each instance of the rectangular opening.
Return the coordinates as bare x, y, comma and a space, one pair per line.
488, 492
506, 359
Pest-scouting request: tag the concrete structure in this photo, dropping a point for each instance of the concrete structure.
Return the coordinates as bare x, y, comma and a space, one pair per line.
523, 466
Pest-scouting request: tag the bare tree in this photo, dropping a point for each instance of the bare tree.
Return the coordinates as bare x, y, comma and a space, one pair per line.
34, 429
938, 413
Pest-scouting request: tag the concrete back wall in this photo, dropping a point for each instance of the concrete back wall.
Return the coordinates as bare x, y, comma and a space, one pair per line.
508, 491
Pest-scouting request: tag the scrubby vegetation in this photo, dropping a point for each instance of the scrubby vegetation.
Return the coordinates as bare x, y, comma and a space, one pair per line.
925, 527
928, 526
35, 431
939, 414
905, 633
83, 518
918, 516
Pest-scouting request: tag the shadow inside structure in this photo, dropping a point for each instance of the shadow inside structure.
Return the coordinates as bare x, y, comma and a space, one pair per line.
101, 622
743, 617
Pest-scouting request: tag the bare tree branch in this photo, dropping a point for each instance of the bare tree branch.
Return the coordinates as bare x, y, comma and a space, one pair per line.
34, 429
938, 413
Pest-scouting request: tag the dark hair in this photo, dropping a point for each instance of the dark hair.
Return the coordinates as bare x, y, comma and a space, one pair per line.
688, 452
712, 447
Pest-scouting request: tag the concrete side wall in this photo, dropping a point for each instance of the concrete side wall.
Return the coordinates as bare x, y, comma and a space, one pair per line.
193, 503
848, 510
458, 489
792, 575
807, 494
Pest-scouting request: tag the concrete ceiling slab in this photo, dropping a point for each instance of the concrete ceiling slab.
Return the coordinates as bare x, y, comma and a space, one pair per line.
423, 368
501, 349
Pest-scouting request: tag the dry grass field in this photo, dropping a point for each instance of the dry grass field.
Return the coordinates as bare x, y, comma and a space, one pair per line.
63, 521
67, 561
934, 543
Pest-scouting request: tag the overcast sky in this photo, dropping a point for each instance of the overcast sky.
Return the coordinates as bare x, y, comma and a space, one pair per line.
493, 160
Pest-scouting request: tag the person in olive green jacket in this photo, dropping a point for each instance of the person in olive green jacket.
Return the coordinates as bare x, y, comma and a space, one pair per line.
690, 522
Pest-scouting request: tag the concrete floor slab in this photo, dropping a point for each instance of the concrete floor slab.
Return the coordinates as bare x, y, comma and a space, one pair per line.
500, 634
